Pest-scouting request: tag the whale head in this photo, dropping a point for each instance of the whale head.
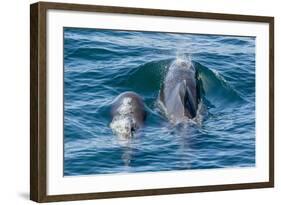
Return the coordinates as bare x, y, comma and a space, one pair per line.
128, 114
178, 94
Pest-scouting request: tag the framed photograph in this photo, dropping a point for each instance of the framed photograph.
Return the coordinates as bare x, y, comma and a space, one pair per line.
134, 102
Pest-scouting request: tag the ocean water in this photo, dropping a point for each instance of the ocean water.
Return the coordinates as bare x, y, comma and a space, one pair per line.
101, 64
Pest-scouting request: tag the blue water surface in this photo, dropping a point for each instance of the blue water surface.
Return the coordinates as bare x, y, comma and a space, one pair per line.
101, 64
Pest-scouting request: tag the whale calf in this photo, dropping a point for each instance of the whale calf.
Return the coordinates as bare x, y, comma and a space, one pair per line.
128, 114
179, 93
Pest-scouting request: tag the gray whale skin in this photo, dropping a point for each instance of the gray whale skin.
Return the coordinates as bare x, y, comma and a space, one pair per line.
179, 94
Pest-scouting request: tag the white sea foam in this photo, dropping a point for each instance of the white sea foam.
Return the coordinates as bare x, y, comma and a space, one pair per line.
218, 75
182, 58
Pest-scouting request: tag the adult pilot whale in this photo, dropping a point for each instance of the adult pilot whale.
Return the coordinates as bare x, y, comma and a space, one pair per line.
179, 94
128, 114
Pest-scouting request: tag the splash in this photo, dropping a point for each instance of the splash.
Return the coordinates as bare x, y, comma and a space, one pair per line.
180, 55
182, 58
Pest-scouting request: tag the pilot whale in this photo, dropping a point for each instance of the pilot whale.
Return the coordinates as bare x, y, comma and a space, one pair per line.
128, 114
179, 94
